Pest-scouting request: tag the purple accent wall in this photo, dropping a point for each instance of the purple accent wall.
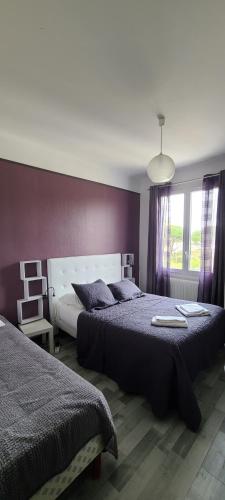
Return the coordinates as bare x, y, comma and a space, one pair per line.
44, 214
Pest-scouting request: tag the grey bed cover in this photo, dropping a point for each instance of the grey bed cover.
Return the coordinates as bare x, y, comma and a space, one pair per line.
159, 363
47, 414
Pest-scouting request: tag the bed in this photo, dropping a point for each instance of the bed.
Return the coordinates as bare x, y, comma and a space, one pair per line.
83, 269
53, 423
158, 363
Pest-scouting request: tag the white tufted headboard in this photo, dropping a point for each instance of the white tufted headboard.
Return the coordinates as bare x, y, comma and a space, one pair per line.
84, 269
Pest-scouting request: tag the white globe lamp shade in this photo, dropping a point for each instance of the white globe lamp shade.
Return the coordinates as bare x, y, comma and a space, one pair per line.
161, 169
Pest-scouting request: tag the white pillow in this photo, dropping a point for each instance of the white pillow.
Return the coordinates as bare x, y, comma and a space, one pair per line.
71, 299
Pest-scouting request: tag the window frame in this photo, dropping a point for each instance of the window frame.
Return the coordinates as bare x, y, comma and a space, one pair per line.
186, 188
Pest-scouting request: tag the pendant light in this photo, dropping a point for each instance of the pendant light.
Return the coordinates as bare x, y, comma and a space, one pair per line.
161, 168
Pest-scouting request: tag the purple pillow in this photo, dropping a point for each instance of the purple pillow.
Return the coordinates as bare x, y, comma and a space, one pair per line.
125, 290
94, 295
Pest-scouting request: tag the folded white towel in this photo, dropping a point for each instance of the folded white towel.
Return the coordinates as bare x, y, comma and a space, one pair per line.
193, 307
192, 310
1, 323
170, 321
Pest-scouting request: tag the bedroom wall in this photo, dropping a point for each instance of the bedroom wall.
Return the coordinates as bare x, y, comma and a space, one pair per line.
89, 166
44, 214
183, 174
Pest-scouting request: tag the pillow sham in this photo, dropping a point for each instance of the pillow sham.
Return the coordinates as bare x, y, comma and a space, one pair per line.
125, 290
94, 295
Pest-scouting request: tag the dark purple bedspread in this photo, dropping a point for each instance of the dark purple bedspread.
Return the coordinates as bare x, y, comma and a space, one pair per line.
47, 414
157, 362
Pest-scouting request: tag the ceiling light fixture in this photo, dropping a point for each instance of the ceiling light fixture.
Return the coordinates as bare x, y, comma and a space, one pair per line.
161, 168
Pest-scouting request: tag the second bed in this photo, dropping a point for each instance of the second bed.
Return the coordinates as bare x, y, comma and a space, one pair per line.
159, 363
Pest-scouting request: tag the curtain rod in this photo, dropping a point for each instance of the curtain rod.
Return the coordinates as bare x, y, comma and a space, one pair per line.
184, 182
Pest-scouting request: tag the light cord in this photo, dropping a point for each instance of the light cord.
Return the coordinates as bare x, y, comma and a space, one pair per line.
161, 140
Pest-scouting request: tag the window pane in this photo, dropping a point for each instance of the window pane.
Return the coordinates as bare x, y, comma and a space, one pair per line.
176, 230
196, 228
195, 231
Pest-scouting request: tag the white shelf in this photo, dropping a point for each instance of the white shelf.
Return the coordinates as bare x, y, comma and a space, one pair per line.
31, 298
23, 269
127, 259
29, 261
34, 278
26, 282
34, 297
30, 320
38, 316
127, 262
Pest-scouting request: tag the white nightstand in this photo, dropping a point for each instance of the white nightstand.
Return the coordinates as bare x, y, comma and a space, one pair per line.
40, 327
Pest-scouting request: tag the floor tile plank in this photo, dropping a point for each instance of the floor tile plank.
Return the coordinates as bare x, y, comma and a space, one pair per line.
206, 487
158, 459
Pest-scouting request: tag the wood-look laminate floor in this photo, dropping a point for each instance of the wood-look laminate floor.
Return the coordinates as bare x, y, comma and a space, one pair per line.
158, 460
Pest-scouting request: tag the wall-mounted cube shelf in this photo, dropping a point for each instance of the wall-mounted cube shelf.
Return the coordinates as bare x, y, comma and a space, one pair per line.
38, 316
26, 285
127, 259
26, 263
36, 276
127, 262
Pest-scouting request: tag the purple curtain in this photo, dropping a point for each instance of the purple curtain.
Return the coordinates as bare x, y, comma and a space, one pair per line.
158, 280
211, 280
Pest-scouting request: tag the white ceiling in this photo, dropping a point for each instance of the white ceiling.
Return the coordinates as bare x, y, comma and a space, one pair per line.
86, 79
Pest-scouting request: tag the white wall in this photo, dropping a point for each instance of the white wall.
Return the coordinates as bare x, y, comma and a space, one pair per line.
189, 172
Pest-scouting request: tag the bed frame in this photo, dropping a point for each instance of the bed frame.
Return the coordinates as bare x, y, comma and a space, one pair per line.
89, 454
83, 269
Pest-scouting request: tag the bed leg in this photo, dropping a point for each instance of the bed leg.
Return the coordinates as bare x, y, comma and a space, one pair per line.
96, 468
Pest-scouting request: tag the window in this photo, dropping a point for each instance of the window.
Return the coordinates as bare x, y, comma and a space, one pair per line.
195, 231
176, 231
185, 229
